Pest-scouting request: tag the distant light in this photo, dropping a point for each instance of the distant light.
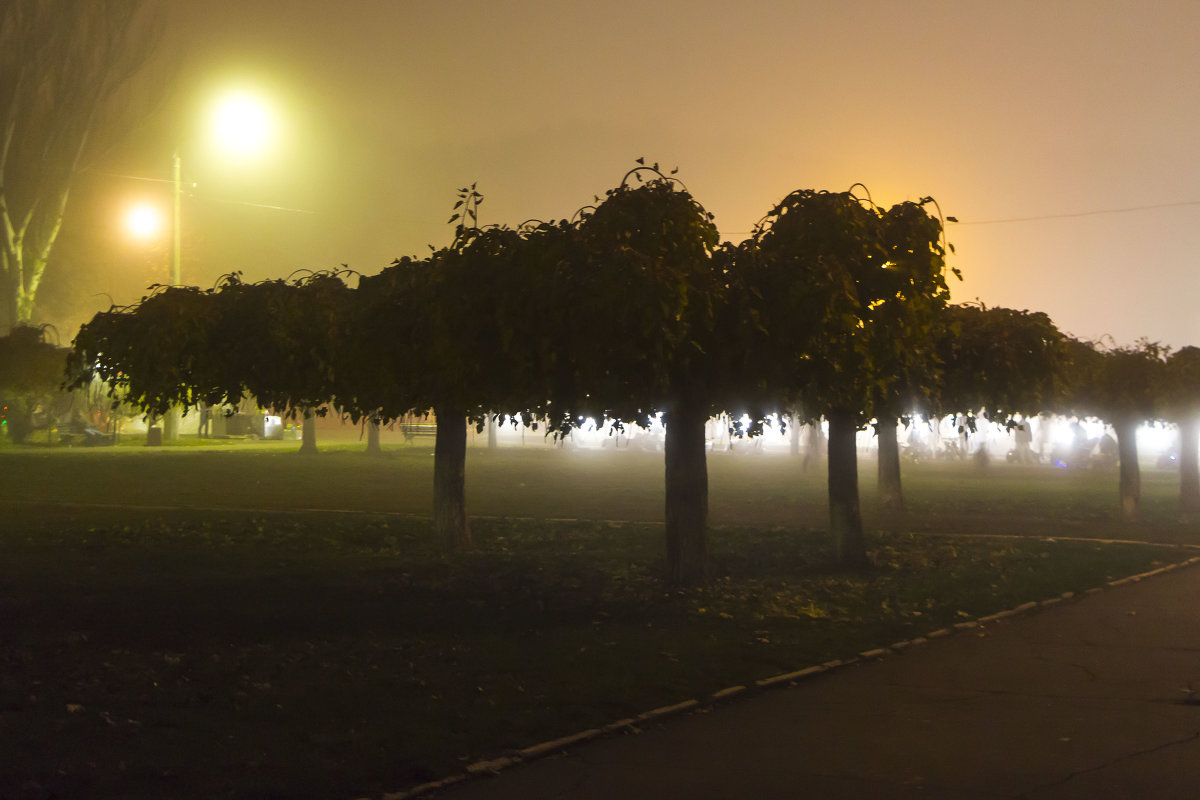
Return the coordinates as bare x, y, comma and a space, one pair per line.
242, 124
1155, 438
144, 222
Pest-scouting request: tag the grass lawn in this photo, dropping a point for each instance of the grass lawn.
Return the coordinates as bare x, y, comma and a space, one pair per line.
552, 483
247, 623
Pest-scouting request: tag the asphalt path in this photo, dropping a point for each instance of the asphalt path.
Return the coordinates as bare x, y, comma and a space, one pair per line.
1098, 697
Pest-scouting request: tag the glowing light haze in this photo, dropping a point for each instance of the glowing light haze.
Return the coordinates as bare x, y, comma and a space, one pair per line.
1016, 110
144, 221
242, 124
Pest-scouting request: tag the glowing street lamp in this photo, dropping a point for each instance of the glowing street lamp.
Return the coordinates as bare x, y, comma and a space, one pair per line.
144, 222
241, 126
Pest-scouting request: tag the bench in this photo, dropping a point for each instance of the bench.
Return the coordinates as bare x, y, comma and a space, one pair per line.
412, 430
89, 437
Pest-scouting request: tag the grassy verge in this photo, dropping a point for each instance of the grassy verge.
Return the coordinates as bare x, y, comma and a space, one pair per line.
548, 483
234, 654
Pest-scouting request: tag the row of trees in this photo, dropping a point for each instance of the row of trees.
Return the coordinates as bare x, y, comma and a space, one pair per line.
833, 306
1018, 362
1126, 386
629, 310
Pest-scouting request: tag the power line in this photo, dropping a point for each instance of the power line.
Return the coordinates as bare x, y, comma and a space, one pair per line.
1075, 214
127, 177
259, 205
193, 186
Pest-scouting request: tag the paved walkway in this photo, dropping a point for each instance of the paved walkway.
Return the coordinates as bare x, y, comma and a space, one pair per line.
1088, 699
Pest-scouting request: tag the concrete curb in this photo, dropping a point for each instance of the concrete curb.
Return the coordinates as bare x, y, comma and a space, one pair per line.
666, 711
539, 750
786, 679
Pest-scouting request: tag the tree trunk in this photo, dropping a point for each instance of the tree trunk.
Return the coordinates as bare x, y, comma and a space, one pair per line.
308, 434
1131, 477
686, 495
891, 496
20, 422
814, 446
373, 447
20, 272
28, 268
449, 479
171, 425
1189, 465
794, 438
33, 278
11, 277
492, 426
845, 518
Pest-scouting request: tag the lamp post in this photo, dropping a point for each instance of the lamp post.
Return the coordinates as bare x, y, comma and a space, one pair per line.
176, 214
242, 125
171, 418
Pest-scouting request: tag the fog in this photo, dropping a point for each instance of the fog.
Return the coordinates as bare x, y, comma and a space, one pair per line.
1023, 119
1056, 441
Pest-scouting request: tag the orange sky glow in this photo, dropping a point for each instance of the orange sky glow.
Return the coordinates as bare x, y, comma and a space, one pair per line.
1040, 112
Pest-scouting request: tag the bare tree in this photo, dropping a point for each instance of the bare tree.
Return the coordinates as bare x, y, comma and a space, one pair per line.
64, 69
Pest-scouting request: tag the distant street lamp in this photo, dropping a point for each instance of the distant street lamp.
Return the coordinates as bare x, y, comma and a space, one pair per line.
143, 222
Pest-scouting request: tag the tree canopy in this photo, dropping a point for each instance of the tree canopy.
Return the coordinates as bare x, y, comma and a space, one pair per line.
1001, 359
31, 372
181, 346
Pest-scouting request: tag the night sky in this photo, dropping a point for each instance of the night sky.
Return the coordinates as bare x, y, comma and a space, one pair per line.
1035, 111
